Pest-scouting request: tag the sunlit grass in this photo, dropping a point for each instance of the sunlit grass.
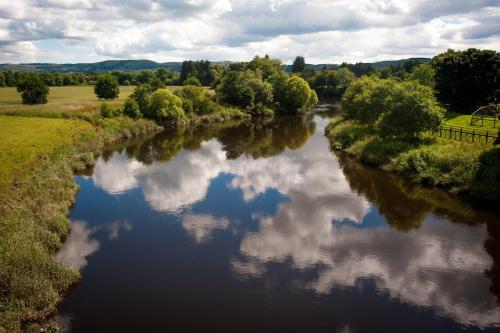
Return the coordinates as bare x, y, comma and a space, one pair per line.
464, 120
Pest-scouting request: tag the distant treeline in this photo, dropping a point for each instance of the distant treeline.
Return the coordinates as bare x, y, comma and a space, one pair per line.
201, 72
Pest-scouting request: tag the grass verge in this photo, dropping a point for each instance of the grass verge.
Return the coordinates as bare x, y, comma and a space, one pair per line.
39, 157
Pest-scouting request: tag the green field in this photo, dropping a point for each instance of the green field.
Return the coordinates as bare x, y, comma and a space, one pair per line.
22, 140
64, 102
463, 120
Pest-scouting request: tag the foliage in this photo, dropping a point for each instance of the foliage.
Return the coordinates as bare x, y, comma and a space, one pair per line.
332, 83
106, 111
299, 64
131, 108
196, 100
107, 87
366, 99
487, 179
200, 70
411, 109
142, 96
165, 106
33, 90
234, 89
423, 74
264, 67
191, 81
467, 79
292, 93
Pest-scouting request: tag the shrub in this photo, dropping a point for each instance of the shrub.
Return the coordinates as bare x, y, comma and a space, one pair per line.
106, 111
107, 87
411, 109
33, 90
192, 81
131, 109
196, 100
440, 164
487, 181
166, 106
142, 95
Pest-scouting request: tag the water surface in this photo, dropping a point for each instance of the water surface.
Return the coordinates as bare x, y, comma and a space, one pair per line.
260, 227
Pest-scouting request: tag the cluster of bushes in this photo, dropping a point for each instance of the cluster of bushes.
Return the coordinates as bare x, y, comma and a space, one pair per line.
395, 109
262, 86
166, 106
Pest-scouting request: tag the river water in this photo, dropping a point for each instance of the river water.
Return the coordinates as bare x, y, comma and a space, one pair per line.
259, 226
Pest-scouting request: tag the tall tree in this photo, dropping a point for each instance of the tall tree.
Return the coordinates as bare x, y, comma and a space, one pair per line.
467, 79
299, 64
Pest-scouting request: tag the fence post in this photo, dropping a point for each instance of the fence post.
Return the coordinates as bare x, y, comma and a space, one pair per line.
487, 134
450, 131
473, 132
461, 130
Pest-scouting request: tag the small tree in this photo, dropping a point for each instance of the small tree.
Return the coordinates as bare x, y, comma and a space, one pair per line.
131, 108
423, 74
107, 87
106, 111
142, 95
33, 90
299, 64
411, 109
192, 81
166, 106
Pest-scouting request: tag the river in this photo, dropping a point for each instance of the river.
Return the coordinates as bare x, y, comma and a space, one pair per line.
259, 226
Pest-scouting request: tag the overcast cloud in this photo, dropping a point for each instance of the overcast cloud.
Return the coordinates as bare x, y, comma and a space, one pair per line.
173, 30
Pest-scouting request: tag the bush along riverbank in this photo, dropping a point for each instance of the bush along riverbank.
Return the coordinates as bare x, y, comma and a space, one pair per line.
36, 198
389, 124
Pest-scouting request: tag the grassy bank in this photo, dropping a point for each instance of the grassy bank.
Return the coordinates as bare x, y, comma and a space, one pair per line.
37, 190
457, 166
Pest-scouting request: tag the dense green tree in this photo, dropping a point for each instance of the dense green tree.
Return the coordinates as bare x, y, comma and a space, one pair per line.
423, 74
265, 66
410, 65
198, 69
196, 100
2, 80
293, 93
308, 73
234, 89
33, 90
299, 64
142, 95
332, 83
107, 87
467, 79
145, 77
365, 99
163, 75
166, 106
411, 109
192, 81
131, 108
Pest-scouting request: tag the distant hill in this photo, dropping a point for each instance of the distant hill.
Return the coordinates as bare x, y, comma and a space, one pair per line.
137, 65
376, 65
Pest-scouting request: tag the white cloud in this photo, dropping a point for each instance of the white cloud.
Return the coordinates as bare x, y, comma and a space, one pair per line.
326, 31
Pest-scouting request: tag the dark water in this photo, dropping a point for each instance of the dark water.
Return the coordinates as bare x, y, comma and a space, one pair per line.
260, 227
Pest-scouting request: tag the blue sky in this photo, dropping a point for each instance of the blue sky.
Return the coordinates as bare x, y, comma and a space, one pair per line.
174, 30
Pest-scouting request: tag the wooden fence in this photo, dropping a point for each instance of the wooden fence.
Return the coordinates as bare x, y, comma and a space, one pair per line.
467, 134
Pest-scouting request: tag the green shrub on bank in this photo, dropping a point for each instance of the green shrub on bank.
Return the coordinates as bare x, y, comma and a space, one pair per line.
377, 151
451, 165
166, 106
131, 109
486, 183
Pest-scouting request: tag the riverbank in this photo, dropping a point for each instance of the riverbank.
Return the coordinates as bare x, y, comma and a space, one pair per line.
39, 157
457, 166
